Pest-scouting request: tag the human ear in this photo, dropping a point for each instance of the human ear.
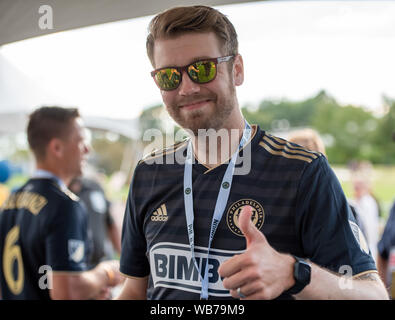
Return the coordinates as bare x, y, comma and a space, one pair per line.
55, 147
238, 70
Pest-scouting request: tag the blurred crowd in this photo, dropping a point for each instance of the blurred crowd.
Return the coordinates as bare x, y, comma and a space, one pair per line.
377, 227
378, 231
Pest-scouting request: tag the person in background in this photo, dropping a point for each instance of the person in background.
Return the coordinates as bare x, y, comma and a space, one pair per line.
365, 202
43, 228
311, 139
5, 173
102, 229
4, 193
386, 253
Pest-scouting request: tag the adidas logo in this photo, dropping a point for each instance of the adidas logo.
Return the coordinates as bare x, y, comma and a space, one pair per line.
160, 214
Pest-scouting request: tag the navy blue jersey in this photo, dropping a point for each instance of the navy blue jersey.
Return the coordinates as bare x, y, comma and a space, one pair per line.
99, 220
386, 249
41, 227
387, 241
297, 203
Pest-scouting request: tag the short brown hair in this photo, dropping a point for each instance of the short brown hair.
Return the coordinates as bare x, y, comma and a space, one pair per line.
199, 19
47, 123
309, 139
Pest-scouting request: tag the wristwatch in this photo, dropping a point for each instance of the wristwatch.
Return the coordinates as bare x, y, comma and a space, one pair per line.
302, 276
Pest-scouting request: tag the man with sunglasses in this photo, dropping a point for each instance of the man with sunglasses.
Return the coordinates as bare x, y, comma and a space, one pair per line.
206, 229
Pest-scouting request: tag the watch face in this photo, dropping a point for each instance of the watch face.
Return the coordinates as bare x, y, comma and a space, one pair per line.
304, 272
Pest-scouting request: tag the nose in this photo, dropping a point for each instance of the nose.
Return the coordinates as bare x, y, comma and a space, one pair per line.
187, 86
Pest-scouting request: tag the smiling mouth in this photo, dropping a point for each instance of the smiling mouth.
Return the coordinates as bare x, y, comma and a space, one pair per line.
195, 105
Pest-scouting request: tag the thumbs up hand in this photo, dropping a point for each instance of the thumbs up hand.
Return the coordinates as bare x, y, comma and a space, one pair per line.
260, 272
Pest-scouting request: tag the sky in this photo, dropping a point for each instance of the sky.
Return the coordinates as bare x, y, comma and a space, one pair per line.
291, 50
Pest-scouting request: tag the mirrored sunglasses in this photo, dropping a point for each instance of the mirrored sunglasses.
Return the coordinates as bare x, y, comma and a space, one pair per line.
202, 71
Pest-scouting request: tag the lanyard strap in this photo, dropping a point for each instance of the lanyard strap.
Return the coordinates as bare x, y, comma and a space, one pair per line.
220, 205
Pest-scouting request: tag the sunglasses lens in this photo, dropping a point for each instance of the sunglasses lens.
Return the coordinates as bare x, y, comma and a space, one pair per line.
168, 78
202, 71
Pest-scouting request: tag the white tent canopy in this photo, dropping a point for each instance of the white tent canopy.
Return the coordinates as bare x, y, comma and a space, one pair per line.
303, 47
18, 91
19, 94
19, 19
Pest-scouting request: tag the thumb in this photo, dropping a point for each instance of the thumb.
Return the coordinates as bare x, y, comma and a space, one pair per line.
249, 230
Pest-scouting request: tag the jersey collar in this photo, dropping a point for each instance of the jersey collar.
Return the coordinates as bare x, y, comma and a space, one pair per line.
44, 174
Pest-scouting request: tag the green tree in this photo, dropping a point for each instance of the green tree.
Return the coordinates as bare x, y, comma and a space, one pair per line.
152, 118
107, 154
383, 146
348, 130
349, 127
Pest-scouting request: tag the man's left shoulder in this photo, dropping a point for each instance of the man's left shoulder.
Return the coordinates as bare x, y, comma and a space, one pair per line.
288, 151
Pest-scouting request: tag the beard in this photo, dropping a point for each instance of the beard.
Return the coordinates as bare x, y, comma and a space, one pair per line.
208, 117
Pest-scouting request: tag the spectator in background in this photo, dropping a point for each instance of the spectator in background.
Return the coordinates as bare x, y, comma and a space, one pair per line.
311, 140
102, 229
386, 253
5, 173
365, 203
4, 193
43, 225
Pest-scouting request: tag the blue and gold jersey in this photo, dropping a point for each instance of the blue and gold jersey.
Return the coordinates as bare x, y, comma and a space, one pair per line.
297, 202
386, 249
42, 228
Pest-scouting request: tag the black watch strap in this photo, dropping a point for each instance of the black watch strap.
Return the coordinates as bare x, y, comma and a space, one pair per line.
302, 274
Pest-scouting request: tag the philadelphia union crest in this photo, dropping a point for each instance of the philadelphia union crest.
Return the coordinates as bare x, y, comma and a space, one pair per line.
232, 216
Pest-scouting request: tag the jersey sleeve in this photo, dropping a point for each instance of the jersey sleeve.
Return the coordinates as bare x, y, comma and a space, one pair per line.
66, 240
388, 238
329, 234
133, 261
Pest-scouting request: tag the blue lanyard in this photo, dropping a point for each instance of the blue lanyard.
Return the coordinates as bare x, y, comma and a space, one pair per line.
44, 174
220, 205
